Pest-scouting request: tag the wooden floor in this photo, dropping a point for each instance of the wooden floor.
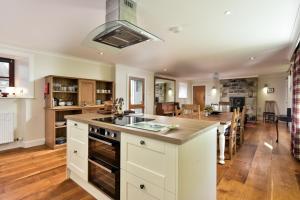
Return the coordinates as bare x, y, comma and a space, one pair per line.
257, 172
262, 169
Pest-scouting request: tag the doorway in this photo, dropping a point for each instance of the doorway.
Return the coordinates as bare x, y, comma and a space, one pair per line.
199, 96
137, 94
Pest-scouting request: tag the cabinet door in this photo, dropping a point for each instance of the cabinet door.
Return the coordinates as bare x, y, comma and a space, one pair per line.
149, 159
134, 188
77, 148
87, 92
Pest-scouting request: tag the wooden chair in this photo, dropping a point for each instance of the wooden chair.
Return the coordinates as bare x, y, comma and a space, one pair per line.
269, 113
241, 128
191, 111
224, 106
231, 136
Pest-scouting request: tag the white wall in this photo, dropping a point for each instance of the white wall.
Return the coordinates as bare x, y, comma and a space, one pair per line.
122, 74
280, 95
277, 81
30, 112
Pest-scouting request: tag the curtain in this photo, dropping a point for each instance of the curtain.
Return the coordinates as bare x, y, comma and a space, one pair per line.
295, 136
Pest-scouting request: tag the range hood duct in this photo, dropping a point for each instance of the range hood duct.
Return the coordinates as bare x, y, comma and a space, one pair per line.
120, 30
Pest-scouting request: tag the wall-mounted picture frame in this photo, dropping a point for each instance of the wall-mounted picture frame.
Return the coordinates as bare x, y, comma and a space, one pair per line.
270, 90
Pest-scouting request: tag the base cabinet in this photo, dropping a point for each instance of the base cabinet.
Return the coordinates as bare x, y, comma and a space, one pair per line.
135, 188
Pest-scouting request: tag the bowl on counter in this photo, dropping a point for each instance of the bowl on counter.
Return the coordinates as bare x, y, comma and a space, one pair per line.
62, 103
60, 123
69, 103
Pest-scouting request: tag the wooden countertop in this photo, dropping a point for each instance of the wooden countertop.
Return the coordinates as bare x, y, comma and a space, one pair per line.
188, 128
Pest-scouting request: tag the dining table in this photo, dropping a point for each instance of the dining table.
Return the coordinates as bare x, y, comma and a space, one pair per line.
224, 120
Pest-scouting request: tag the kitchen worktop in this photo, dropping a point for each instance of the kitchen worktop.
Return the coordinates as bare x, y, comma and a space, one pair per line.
188, 128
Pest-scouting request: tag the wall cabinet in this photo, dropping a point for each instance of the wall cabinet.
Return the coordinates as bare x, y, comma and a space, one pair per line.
86, 97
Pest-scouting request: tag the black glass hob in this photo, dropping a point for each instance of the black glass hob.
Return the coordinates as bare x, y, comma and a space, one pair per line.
123, 120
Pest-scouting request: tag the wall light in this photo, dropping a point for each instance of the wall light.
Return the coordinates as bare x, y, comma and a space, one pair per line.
214, 90
265, 89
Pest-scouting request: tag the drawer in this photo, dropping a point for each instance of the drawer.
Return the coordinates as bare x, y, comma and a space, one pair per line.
146, 143
77, 147
77, 131
78, 164
77, 125
133, 187
149, 159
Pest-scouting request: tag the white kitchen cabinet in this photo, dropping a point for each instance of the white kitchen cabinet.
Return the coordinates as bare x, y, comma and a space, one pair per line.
149, 159
134, 187
168, 171
77, 148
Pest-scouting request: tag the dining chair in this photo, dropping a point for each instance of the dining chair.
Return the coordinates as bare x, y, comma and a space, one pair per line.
191, 111
224, 106
231, 135
241, 126
269, 113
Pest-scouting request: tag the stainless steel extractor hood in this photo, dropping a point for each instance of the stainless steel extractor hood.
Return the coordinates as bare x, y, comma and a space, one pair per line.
120, 30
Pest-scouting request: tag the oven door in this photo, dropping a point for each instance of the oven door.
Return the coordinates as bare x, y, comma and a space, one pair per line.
104, 149
105, 177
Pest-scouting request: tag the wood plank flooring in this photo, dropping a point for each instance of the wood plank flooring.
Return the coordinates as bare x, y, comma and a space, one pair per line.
37, 174
262, 169
256, 172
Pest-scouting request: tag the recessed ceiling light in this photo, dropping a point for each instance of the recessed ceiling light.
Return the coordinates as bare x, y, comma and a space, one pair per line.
227, 12
252, 58
101, 53
175, 29
165, 70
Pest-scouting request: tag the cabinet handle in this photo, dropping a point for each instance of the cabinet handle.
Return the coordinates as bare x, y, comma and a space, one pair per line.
75, 151
142, 142
142, 186
75, 124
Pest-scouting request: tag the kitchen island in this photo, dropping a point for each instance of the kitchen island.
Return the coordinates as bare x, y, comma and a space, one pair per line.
111, 161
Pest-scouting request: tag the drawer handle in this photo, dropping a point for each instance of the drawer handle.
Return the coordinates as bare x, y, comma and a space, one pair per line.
75, 151
142, 186
142, 142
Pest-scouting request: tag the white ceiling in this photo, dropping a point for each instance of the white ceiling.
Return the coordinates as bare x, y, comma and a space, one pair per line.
210, 41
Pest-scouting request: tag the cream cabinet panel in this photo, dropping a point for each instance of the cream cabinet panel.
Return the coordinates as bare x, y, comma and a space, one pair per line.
135, 188
77, 148
149, 159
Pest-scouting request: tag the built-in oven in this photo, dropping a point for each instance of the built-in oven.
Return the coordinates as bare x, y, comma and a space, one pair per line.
104, 160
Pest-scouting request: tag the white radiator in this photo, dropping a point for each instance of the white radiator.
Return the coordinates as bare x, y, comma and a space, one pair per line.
6, 128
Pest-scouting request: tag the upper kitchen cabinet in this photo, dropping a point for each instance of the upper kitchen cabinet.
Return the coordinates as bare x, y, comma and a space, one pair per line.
87, 94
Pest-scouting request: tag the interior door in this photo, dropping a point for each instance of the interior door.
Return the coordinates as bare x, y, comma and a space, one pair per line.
87, 92
199, 96
137, 94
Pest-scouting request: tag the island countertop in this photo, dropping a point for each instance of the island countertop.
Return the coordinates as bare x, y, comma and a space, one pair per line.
188, 128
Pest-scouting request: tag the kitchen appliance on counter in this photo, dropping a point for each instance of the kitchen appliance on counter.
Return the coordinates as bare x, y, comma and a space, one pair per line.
123, 120
104, 160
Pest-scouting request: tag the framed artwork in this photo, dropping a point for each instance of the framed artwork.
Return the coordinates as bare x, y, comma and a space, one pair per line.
270, 90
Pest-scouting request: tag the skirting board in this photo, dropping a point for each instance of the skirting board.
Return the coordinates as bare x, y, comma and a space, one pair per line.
22, 144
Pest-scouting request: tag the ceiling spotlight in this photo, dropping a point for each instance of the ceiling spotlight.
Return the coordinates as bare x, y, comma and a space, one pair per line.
101, 53
252, 58
227, 12
165, 70
175, 29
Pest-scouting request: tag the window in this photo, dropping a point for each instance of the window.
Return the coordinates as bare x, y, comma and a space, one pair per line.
183, 87
7, 73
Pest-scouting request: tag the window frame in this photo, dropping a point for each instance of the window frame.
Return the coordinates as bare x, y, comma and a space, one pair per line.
11, 70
